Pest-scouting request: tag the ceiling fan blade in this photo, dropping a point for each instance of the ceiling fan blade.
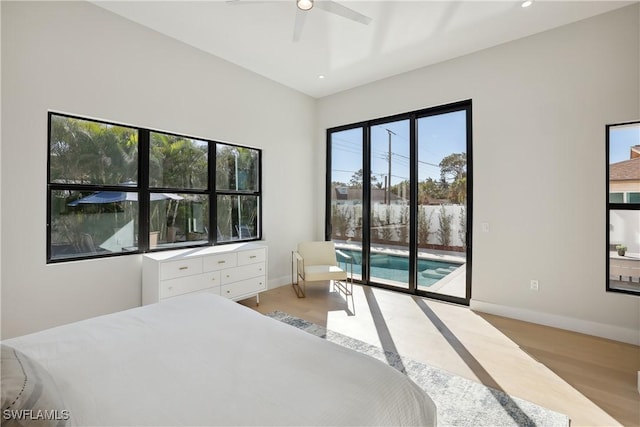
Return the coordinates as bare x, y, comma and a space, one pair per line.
345, 12
299, 24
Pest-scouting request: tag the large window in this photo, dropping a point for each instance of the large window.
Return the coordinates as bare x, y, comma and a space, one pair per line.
117, 189
237, 192
623, 207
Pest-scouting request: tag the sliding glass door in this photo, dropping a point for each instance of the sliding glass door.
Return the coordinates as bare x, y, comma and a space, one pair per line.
399, 200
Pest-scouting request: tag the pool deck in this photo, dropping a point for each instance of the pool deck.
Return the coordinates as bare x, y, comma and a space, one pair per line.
453, 284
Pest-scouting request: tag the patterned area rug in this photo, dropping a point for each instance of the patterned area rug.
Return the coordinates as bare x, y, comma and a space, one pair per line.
460, 402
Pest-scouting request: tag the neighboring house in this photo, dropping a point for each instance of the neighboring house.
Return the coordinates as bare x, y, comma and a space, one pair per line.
354, 196
624, 179
346, 195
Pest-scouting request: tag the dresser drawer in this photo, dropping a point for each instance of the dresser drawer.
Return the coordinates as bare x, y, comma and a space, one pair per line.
183, 285
218, 262
182, 268
249, 286
252, 256
241, 273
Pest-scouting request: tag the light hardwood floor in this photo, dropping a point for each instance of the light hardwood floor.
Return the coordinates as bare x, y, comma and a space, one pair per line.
592, 380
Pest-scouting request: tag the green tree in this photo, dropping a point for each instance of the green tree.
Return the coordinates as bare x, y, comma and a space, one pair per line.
430, 189
85, 152
179, 162
458, 191
341, 222
454, 168
387, 231
404, 224
356, 179
424, 226
444, 231
247, 168
462, 231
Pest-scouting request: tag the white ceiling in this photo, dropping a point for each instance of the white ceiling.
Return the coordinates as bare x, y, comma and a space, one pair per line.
404, 35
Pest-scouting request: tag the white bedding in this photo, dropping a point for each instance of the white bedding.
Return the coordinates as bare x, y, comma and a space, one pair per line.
203, 360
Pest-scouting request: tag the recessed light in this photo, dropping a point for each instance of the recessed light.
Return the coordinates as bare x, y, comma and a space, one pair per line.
305, 4
321, 76
527, 3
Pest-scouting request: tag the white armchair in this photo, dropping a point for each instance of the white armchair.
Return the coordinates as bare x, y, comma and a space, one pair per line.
314, 261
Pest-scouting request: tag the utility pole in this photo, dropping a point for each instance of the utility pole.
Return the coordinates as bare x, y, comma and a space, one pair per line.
390, 132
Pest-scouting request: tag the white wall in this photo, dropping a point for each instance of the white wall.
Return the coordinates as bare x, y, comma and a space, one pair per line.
78, 58
540, 106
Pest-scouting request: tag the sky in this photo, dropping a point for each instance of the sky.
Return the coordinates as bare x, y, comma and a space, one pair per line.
438, 137
621, 139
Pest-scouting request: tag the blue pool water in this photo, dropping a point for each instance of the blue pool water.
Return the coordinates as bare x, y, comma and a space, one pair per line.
396, 268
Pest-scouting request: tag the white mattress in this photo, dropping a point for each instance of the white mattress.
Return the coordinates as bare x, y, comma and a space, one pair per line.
203, 360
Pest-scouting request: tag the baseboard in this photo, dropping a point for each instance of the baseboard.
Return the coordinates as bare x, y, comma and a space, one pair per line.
602, 330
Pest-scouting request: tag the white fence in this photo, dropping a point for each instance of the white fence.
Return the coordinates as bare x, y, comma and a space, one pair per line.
391, 223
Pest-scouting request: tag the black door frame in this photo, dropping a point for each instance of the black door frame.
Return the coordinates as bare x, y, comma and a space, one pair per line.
413, 117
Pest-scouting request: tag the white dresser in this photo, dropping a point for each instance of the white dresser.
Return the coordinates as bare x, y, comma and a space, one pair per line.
236, 271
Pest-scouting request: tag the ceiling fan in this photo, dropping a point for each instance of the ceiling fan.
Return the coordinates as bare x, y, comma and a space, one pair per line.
304, 6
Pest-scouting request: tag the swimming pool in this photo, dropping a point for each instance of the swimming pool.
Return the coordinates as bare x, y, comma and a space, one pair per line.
396, 268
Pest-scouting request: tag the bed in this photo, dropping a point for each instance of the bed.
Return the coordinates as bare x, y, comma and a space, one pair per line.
201, 359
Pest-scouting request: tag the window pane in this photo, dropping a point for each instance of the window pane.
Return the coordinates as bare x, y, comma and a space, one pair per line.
178, 219
442, 201
346, 187
88, 152
237, 168
624, 250
633, 197
616, 197
89, 224
624, 162
237, 217
177, 162
390, 203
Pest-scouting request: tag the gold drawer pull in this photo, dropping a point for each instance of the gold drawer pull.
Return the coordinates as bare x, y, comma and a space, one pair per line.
228, 292
183, 268
221, 262
253, 256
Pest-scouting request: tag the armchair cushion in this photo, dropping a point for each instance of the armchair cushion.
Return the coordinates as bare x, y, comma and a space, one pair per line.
324, 272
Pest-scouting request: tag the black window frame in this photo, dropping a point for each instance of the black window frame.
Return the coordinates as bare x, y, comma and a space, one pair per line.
614, 206
143, 190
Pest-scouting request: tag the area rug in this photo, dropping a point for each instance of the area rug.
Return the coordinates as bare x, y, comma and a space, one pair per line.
460, 402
